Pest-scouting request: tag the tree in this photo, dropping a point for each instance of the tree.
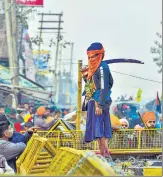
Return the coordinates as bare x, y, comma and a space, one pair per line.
157, 50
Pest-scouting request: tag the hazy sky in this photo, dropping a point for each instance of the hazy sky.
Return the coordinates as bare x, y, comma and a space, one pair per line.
126, 28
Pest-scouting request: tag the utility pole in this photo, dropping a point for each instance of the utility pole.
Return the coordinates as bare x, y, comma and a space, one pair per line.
55, 86
71, 58
11, 54
40, 38
58, 41
71, 68
14, 43
60, 57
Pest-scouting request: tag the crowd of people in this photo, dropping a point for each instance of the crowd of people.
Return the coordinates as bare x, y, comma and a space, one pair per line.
100, 125
28, 120
26, 116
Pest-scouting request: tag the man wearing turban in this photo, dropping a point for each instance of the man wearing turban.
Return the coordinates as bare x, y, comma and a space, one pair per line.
98, 86
149, 120
150, 138
41, 122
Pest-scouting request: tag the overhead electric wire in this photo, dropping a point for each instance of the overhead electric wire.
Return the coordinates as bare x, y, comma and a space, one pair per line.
130, 75
138, 77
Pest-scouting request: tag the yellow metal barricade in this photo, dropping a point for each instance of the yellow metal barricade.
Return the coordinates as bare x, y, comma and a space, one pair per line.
70, 139
23, 155
36, 158
152, 171
74, 162
128, 141
51, 154
123, 141
136, 141
40, 158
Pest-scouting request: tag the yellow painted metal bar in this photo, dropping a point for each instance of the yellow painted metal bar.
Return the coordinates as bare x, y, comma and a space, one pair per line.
58, 141
144, 151
139, 139
79, 101
152, 171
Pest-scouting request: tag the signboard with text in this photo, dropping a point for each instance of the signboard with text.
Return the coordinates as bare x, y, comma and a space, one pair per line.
30, 2
5, 79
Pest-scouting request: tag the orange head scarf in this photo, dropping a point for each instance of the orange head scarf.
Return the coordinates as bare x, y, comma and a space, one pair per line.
95, 55
41, 110
149, 115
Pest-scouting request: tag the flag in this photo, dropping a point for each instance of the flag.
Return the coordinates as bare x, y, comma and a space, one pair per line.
158, 104
139, 93
17, 126
27, 118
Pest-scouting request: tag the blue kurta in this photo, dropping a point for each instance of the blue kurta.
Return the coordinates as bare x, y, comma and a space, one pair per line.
98, 126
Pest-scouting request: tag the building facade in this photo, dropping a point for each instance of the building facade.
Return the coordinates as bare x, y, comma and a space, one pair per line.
3, 40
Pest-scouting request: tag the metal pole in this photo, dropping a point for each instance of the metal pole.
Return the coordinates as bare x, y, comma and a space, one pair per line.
58, 40
71, 68
9, 43
40, 38
14, 43
60, 58
54, 89
56, 59
71, 58
79, 100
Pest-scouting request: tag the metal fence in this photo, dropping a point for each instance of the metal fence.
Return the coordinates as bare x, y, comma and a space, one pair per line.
42, 159
130, 140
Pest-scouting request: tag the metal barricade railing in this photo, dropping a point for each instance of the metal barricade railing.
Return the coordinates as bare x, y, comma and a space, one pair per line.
131, 140
71, 139
37, 156
40, 158
50, 154
137, 140
72, 162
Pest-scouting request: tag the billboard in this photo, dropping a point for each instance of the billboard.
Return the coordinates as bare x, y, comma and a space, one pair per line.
30, 2
41, 59
5, 79
43, 75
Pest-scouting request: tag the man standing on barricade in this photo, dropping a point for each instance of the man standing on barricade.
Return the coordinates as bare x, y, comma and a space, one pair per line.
98, 88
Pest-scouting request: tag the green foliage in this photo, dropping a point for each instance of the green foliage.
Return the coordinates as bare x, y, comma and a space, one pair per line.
157, 51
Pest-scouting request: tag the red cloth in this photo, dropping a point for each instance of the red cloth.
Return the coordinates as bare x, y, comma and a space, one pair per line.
94, 62
17, 126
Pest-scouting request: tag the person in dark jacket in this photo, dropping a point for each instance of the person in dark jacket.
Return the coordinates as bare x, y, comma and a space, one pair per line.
98, 88
12, 144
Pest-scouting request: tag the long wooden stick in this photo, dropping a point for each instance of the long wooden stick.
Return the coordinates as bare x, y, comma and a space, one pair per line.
141, 118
